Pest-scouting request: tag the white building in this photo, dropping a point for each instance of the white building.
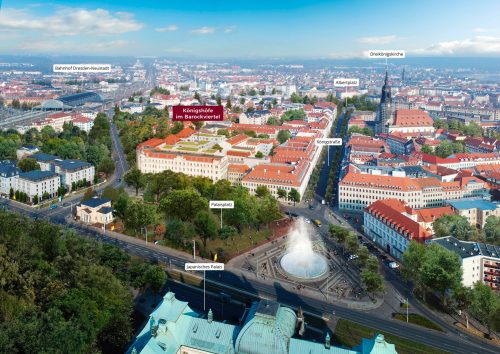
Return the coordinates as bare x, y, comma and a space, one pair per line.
393, 225
480, 261
95, 211
8, 172
37, 183
358, 190
74, 171
83, 123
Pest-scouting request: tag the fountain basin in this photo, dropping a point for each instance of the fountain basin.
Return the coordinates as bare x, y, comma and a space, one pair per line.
308, 266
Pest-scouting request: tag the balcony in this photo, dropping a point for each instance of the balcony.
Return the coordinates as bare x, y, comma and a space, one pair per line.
493, 280
495, 265
492, 271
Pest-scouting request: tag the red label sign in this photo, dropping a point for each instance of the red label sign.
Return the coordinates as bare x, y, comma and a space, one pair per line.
192, 113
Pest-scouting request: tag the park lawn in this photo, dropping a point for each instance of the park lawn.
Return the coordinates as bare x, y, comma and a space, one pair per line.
419, 320
232, 246
350, 334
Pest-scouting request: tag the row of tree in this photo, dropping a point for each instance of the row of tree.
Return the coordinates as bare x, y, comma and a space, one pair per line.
370, 276
471, 129
445, 148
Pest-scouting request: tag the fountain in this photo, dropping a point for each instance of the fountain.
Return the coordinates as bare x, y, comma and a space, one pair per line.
301, 260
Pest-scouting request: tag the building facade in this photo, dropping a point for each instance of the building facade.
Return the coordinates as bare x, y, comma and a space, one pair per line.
37, 183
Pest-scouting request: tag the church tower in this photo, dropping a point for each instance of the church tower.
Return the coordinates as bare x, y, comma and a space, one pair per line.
386, 107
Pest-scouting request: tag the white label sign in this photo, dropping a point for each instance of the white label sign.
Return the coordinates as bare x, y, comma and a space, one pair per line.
386, 54
345, 82
221, 204
82, 68
329, 141
203, 266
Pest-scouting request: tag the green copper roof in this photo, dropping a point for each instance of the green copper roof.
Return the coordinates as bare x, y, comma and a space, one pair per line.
268, 329
299, 346
269, 325
376, 345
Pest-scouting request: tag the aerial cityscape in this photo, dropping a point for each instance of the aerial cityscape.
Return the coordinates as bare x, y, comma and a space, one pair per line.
250, 178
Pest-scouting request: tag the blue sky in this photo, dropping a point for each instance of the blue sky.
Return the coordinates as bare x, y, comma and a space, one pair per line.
250, 29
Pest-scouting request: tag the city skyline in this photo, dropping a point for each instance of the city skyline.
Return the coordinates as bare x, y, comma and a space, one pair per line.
323, 30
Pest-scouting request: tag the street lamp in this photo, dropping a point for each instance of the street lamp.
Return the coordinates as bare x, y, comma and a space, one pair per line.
194, 250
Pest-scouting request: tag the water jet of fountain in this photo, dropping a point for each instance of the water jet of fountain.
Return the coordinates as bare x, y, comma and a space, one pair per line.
301, 260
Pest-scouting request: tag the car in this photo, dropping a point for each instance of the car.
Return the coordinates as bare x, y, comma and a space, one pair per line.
352, 257
311, 206
53, 206
308, 221
157, 242
119, 179
294, 215
393, 265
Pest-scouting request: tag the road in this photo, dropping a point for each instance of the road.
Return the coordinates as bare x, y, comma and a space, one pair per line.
238, 280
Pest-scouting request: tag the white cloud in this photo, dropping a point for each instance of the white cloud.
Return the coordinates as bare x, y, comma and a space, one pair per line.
70, 22
203, 30
229, 29
480, 30
169, 28
175, 50
476, 45
66, 46
379, 39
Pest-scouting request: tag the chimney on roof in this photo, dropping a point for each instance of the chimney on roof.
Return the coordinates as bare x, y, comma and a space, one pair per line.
265, 170
327, 341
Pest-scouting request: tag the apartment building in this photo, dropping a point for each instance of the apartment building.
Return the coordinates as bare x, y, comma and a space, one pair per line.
480, 261
37, 183
74, 171
8, 172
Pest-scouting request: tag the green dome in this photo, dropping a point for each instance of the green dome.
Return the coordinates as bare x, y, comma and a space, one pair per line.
268, 329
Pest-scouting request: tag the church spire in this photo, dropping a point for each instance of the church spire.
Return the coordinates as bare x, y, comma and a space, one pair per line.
386, 90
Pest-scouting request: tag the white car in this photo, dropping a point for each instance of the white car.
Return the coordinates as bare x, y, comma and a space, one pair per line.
393, 265
308, 221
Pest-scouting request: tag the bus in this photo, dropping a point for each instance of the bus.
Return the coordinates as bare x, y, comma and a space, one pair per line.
317, 223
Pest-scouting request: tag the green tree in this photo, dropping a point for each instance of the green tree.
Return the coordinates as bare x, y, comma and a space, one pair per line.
11, 193
484, 304
294, 196
373, 282
283, 135
363, 255
261, 191
155, 278
426, 149
135, 178
338, 233
441, 269
267, 208
35, 199
372, 264
205, 226
244, 212
358, 130
453, 225
351, 243
139, 214
413, 261
28, 164
282, 193
492, 229
183, 204
259, 155
293, 114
